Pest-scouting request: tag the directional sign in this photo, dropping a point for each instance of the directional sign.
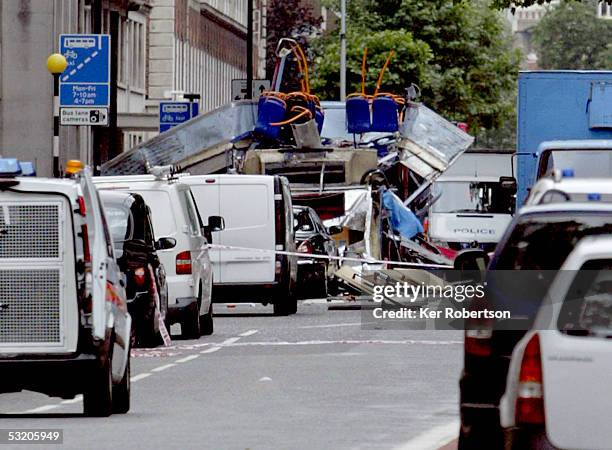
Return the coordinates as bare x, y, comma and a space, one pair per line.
84, 116
172, 114
86, 81
239, 88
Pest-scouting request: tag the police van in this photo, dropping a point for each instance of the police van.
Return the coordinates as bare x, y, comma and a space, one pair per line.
64, 324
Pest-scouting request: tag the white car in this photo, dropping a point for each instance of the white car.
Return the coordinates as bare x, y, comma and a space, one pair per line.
559, 377
182, 247
64, 323
563, 187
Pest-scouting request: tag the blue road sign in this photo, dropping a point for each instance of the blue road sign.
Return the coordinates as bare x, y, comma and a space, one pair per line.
86, 80
172, 114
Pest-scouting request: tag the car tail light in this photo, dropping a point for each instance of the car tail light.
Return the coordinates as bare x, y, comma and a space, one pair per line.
478, 332
530, 399
183, 263
82, 209
86, 251
305, 247
478, 340
140, 277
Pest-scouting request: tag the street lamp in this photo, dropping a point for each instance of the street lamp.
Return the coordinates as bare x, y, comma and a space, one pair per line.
56, 64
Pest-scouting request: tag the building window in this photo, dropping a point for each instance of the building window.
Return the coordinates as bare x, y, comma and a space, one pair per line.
604, 10
131, 53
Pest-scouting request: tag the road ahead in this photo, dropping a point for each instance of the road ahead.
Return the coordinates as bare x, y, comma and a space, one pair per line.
315, 380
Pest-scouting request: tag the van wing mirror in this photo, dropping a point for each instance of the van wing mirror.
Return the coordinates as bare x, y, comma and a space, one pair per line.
508, 184
165, 243
215, 223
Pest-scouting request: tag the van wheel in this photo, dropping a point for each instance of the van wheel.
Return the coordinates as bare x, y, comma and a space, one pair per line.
206, 322
190, 327
121, 392
98, 395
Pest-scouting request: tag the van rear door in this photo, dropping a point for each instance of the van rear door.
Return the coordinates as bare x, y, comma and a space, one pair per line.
247, 205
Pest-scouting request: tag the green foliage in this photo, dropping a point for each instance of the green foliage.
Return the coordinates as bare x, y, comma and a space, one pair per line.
570, 36
457, 52
409, 62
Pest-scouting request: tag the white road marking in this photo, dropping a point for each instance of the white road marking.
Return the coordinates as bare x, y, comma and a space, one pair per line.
433, 438
333, 325
248, 333
187, 358
216, 347
265, 379
41, 409
77, 399
210, 350
162, 368
140, 376
347, 341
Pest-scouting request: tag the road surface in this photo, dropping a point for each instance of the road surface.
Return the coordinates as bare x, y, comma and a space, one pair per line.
315, 380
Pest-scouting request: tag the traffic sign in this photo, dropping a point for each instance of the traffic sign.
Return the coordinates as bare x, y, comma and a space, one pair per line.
84, 116
239, 88
172, 114
86, 81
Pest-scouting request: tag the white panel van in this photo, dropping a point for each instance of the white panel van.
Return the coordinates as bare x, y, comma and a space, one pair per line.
258, 214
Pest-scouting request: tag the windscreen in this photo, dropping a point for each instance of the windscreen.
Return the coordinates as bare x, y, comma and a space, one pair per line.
584, 163
587, 307
522, 273
469, 197
120, 224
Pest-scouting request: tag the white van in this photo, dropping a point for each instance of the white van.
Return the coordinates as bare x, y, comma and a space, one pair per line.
64, 323
181, 246
257, 211
473, 201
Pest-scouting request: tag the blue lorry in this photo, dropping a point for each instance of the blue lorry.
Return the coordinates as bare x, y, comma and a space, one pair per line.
564, 122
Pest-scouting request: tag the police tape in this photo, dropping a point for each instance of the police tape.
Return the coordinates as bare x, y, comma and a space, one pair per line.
329, 257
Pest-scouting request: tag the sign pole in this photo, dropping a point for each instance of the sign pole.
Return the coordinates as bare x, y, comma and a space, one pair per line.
56, 64
56, 125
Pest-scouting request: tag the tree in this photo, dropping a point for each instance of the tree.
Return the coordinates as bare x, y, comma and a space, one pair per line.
458, 53
288, 19
570, 36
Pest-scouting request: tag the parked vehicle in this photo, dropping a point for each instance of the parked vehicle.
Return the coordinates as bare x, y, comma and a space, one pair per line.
522, 269
131, 228
473, 201
315, 276
560, 369
181, 246
64, 323
564, 121
257, 213
562, 186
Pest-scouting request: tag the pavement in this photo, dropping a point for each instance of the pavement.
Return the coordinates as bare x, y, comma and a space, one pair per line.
315, 380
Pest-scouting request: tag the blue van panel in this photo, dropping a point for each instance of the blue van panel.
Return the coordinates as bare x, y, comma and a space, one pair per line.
553, 105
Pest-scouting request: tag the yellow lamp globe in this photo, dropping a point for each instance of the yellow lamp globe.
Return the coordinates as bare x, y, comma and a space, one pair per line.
56, 63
